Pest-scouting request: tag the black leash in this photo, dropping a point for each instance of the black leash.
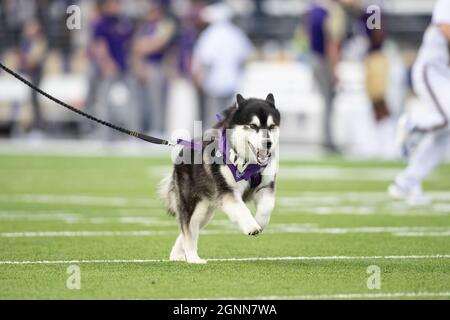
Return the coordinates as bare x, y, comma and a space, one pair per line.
86, 115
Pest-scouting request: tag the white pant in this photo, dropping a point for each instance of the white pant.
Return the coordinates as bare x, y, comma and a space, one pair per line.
432, 85
431, 151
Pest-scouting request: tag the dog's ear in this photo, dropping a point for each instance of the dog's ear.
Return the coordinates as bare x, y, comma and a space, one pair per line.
239, 100
270, 99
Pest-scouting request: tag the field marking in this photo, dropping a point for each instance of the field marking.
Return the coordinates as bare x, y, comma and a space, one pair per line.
228, 228
335, 197
336, 296
288, 258
289, 198
393, 210
318, 210
311, 172
424, 234
44, 234
81, 200
318, 203
77, 218
145, 217
327, 203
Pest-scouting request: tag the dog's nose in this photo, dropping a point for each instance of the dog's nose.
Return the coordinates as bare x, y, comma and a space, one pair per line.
268, 144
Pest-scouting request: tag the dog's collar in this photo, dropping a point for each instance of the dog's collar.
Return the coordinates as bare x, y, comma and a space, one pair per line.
239, 162
246, 171
251, 171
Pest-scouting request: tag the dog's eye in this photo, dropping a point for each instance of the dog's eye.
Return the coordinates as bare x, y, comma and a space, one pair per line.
272, 127
253, 126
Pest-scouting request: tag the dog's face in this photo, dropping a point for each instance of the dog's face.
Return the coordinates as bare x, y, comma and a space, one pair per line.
255, 125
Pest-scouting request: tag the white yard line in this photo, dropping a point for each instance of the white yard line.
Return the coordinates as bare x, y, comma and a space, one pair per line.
75, 218
423, 234
81, 200
308, 172
339, 296
336, 173
289, 199
363, 211
229, 229
317, 203
145, 216
289, 258
335, 197
45, 234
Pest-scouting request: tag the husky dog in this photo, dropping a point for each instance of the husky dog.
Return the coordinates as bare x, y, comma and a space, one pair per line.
195, 190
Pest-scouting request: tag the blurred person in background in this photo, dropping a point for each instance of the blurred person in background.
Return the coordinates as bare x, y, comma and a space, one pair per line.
191, 26
425, 136
151, 42
94, 72
14, 14
218, 60
326, 27
378, 70
110, 48
32, 53
58, 34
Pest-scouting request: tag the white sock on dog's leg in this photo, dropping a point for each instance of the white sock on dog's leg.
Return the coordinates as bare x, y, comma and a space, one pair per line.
177, 253
191, 233
190, 246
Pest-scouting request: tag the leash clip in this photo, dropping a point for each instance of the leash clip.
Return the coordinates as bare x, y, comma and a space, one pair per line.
171, 143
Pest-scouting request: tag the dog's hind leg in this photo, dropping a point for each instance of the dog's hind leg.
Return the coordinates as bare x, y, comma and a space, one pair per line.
191, 230
177, 253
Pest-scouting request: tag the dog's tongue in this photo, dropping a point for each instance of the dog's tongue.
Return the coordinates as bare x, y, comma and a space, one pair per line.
263, 154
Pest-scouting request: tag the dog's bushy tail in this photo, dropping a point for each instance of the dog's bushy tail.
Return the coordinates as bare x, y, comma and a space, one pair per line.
166, 193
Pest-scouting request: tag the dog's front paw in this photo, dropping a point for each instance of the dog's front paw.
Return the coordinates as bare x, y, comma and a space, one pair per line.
252, 228
255, 232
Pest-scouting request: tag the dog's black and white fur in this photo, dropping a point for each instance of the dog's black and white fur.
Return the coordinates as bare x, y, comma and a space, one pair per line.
194, 191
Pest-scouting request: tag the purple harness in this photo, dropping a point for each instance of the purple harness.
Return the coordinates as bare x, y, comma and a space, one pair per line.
251, 173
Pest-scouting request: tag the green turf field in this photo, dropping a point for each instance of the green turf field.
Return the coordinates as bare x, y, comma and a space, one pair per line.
332, 221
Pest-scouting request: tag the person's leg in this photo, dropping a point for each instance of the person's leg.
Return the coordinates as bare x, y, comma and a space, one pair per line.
134, 115
328, 126
323, 76
155, 89
430, 153
87, 127
431, 85
38, 121
144, 105
102, 107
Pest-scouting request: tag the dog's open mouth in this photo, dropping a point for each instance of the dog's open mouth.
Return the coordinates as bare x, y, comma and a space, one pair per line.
262, 155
